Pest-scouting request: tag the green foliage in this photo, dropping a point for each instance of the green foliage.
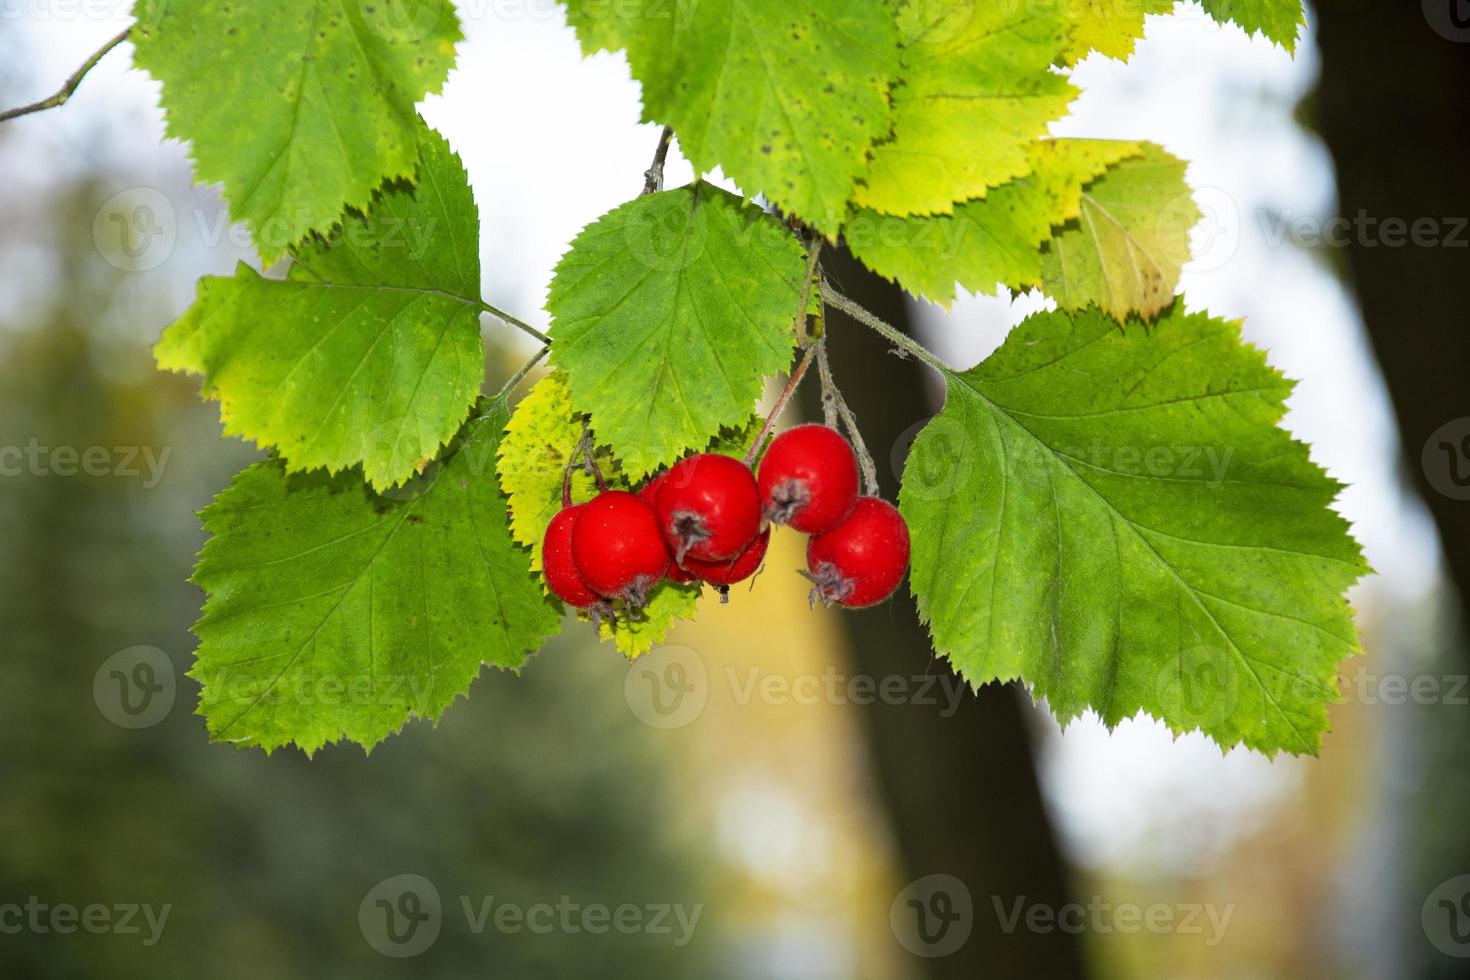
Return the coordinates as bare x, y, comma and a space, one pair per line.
670, 311
1108, 27
1124, 248
337, 613
369, 352
994, 242
977, 88
1279, 20
1115, 519
298, 107
914, 130
786, 97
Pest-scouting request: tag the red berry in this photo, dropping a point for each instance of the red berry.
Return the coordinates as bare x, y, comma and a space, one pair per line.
860, 561
649, 495
709, 508
809, 479
617, 546
730, 572
557, 565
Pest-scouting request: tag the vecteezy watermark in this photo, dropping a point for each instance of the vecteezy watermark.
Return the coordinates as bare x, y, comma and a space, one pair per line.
402, 916
670, 688
1446, 459
136, 230
943, 691
1450, 19
933, 916
950, 452
134, 688
1363, 230
667, 688
1446, 917
145, 13
128, 462
673, 920
1103, 918
41, 918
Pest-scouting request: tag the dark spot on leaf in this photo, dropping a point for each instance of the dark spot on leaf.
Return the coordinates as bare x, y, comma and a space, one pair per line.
415, 519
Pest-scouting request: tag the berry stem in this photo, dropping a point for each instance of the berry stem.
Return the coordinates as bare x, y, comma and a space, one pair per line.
796, 376
838, 406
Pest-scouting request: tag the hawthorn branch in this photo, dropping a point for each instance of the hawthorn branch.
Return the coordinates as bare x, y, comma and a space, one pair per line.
70, 86
888, 331
653, 177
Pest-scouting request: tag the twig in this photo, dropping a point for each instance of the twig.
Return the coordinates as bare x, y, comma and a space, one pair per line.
511, 321
520, 375
889, 332
71, 84
814, 256
829, 387
653, 177
765, 433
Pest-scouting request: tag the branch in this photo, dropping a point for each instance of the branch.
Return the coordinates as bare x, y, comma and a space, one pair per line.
511, 321
888, 331
653, 177
71, 83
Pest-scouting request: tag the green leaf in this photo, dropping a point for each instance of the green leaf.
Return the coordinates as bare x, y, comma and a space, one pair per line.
1279, 20
990, 243
977, 89
786, 98
1116, 520
369, 352
670, 311
539, 442
1109, 27
1126, 247
335, 613
298, 107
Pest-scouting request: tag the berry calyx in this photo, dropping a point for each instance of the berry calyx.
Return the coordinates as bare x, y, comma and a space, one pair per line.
617, 547
724, 573
861, 561
558, 566
808, 479
709, 508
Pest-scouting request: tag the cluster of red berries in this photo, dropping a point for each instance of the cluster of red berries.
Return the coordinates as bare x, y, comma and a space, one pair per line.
708, 519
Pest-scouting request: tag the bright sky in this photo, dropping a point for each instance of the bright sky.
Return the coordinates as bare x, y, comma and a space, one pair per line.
552, 140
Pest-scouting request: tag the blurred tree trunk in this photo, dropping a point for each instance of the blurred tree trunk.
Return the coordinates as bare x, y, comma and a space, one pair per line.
1393, 105
1394, 108
961, 792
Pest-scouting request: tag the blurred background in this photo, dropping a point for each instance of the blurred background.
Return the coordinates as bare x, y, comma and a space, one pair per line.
777, 793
